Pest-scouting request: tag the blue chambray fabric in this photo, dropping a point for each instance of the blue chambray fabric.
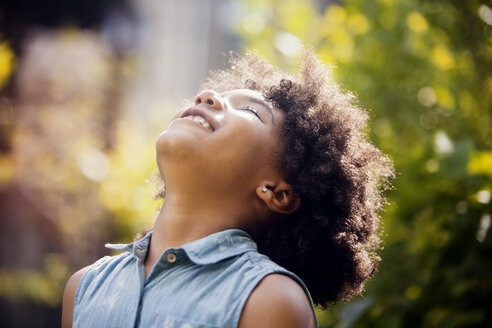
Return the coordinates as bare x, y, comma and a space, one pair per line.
204, 283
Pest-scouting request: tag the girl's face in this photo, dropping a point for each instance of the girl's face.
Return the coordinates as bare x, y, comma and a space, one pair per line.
230, 138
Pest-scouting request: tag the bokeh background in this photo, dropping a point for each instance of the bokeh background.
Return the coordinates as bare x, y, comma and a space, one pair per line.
87, 86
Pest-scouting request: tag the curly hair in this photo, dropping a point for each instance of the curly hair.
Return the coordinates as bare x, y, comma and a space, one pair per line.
331, 240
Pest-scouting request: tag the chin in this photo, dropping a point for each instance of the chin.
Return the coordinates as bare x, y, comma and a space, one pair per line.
174, 143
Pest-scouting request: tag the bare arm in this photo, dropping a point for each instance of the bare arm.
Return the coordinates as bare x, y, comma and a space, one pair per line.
69, 296
277, 301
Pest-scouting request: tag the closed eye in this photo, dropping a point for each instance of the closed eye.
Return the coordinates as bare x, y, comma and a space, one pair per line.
253, 110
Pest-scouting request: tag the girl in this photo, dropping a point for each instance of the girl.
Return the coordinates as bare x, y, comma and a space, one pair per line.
272, 194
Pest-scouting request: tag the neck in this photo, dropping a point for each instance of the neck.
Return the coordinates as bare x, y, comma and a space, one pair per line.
184, 218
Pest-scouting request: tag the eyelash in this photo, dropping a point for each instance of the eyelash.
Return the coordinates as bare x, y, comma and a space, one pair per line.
252, 110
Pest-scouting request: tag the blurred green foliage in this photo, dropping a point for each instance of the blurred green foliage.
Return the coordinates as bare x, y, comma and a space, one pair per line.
423, 70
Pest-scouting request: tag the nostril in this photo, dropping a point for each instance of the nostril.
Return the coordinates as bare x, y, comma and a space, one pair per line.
209, 98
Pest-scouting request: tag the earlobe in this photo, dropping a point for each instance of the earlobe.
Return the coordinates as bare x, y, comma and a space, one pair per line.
280, 198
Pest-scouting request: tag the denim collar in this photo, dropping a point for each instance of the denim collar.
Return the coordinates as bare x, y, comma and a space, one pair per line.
207, 250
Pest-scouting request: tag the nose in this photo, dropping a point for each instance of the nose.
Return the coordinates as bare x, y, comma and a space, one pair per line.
211, 99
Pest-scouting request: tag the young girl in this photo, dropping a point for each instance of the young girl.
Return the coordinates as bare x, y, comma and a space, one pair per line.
272, 194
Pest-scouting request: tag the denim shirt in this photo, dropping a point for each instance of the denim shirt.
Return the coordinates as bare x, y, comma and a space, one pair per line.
204, 283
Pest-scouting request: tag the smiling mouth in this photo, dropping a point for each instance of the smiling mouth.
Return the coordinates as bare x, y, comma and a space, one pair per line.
200, 120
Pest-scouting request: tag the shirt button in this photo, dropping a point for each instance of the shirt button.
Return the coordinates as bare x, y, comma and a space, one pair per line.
171, 258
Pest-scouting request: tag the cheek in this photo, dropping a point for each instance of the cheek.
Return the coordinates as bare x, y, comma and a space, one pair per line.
245, 151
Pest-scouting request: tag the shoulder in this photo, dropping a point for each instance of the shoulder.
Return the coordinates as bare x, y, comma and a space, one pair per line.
69, 296
277, 301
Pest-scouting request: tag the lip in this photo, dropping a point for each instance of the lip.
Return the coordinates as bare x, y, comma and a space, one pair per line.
199, 112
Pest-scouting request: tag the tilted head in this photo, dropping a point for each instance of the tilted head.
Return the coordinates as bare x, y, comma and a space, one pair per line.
225, 148
329, 234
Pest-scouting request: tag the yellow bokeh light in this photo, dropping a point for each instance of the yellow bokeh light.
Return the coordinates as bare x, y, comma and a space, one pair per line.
6, 63
444, 97
296, 16
480, 163
358, 23
340, 35
442, 58
340, 45
336, 15
417, 23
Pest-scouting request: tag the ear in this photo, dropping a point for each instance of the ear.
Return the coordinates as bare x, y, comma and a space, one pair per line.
280, 197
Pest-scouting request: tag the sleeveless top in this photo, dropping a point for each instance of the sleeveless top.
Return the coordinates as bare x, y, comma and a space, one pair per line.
204, 283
